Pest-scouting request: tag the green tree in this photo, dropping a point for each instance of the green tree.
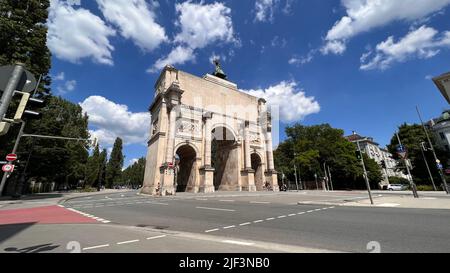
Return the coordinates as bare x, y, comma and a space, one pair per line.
93, 168
411, 137
134, 174
373, 173
309, 147
103, 162
115, 164
24, 37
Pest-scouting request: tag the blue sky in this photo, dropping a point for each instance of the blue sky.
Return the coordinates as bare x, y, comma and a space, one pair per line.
357, 64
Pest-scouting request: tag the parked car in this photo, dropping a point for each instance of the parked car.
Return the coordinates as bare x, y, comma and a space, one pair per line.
396, 187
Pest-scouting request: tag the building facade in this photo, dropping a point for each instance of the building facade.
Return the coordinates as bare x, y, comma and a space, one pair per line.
372, 150
441, 130
206, 136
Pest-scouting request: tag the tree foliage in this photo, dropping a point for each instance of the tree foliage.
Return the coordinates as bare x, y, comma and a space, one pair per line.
411, 137
115, 164
134, 174
309, 147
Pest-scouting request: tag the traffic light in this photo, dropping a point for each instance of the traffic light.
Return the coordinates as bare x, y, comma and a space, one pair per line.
25, 102
358, 155
383, 164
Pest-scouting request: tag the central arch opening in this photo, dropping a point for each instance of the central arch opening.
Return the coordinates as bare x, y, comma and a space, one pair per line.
186, 168
258, 168
224, 159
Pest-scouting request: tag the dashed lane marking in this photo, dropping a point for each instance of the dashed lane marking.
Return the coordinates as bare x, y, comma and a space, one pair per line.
268, 219
156, 237
127, 242
231, 210
237, 243
90, 216
94, 247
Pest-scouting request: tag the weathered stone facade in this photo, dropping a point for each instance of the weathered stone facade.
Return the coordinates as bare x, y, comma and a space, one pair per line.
206, 136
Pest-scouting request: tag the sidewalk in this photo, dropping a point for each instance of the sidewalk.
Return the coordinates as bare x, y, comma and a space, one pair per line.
46, 199
392, 201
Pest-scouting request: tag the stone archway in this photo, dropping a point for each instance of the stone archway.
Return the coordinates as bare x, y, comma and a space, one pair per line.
224, 159
186, 168
257, 166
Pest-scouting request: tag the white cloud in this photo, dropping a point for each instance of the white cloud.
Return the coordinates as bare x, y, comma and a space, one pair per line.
264, 10
136, 21
364, 15
302, 60
110, 120
67, 87
59, 77
423, 43
200, 25
292, 102
75, 34
178, 55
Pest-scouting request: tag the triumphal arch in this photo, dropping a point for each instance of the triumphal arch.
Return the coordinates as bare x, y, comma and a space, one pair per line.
207, 136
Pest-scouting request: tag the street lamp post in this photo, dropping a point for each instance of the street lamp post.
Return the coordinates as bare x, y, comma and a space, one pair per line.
422, 149
295, 170
365, 173
405, 160
441, 172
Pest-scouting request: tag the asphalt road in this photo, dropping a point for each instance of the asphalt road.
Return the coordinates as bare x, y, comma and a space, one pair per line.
276, 219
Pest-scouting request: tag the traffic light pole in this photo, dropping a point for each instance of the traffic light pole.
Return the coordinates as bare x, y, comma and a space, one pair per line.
10, 88
411, 182
365, 173
16, 145
441, 172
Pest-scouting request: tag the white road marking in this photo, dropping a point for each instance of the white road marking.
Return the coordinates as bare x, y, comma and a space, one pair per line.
259, 202
211, 230
61, 206
93, 247
128, 242
156, 237
300, 213
282, 216
237, 243
245, 224
229, 227
428, 198
215, 209
258, 221
388, 205
270, 219
293, 214
201, 199
106, 221
226, 200
310, 211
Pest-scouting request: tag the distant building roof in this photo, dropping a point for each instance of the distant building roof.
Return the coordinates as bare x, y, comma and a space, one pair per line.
355, 137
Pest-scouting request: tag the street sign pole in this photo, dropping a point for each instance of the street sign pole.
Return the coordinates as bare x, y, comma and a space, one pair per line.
411, 182
16, 145
441, 172
365, 173
10, 88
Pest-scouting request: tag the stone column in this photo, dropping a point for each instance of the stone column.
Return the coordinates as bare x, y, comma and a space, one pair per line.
173, 97
207, 185
208, 138
248, 162
171, 135
271, 174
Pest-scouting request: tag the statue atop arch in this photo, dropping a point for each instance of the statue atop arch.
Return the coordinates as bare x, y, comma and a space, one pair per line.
219, 72
207, 136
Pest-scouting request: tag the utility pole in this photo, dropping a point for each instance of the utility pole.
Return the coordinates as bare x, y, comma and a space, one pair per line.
422, 149
405, 160
10, 88
365, 173
16, 145
441, 172
331, 181
295, 172
295, 169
